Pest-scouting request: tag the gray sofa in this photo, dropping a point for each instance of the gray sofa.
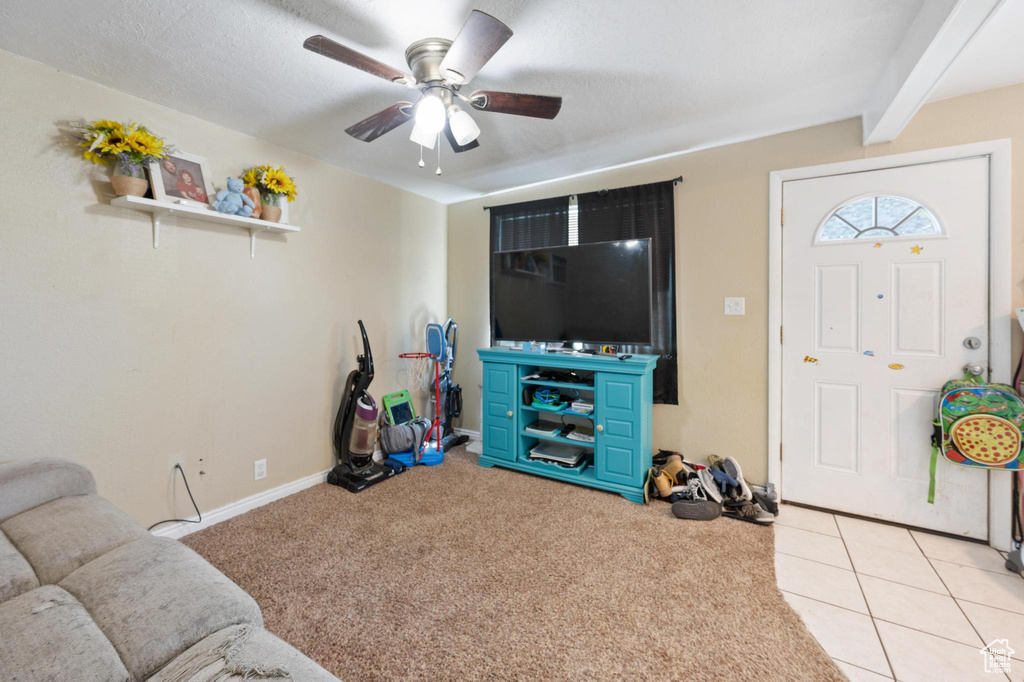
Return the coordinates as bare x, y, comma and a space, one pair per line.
86, 594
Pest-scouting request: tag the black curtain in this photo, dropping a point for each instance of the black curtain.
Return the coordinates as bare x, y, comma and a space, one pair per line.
642, 212
530, 225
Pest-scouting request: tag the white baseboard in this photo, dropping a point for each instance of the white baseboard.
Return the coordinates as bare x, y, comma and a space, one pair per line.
180, 530
475, 446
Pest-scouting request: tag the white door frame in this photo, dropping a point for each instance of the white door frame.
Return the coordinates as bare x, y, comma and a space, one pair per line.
1001, 315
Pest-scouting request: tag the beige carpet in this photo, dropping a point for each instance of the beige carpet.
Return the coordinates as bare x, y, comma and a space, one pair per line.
461, 572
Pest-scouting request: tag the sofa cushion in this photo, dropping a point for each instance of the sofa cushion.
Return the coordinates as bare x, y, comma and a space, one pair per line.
154, 598
47, 635
16, 576
59, 536
242, 652
29, 483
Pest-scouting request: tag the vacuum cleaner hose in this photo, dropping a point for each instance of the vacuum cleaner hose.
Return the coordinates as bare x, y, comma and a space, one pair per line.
453, 405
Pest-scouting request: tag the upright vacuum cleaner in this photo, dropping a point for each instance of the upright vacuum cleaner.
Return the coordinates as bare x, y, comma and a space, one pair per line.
442, 342
355, 430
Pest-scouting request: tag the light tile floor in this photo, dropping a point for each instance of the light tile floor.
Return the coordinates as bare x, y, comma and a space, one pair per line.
887, 603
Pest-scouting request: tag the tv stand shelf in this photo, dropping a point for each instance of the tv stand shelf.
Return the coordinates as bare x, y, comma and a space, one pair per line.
623, 406
557, 439
564, 412
558, 384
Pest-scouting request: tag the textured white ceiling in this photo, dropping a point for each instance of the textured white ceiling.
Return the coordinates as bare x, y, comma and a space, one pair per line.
638, 78
994, 58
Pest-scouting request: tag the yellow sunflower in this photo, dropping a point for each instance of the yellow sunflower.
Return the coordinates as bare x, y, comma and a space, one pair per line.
113, 145
251, 177
107, 125
103, 140
93, 156
271, 180
146, 144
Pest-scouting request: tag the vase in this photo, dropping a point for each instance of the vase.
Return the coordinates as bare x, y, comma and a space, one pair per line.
271, 211
129, 181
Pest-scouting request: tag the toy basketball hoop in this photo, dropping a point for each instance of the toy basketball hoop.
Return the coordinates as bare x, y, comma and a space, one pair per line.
418, 373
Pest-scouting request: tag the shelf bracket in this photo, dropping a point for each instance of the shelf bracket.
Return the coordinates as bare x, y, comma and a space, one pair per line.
156, 229
252, 244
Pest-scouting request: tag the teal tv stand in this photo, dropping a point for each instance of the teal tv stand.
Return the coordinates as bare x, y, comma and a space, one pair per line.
622, 394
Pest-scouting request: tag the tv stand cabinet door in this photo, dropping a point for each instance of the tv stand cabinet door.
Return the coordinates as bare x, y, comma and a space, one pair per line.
618, 441
501, 392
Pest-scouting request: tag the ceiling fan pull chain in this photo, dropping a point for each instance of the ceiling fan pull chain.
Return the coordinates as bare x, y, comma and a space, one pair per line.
438, 171
421, 164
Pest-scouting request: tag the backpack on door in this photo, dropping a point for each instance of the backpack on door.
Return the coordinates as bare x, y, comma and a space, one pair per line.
978, 425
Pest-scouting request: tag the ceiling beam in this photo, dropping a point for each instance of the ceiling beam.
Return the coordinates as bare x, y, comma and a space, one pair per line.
938, 34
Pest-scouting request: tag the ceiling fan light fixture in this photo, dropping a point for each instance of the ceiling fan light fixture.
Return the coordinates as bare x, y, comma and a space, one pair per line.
430, 114
464, 128
422, 136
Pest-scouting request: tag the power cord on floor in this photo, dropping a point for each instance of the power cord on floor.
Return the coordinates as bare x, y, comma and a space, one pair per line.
194, 505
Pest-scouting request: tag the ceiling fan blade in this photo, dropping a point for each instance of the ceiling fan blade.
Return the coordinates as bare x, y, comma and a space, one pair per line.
346, 55
481, 36
456, 147
372, 127
538, 106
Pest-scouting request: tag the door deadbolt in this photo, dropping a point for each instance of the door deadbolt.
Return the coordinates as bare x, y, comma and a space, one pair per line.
972, 342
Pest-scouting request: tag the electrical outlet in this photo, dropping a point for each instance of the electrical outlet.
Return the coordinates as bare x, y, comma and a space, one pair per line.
735, 306
260, 469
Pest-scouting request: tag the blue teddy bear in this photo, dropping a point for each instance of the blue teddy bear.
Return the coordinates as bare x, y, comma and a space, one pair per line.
231, 200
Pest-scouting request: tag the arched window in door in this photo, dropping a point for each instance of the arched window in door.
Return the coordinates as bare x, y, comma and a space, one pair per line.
881, 216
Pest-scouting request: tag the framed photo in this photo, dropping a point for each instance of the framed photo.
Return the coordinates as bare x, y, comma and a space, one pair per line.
182, 178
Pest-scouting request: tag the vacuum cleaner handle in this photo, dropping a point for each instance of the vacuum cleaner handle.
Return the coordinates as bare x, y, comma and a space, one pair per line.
451, 335
366, 359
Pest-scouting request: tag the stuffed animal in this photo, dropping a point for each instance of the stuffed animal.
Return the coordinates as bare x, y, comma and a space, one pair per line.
232, 200
254, 194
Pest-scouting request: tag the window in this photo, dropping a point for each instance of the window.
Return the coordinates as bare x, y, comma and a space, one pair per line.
879, 217
574, 221
530, 225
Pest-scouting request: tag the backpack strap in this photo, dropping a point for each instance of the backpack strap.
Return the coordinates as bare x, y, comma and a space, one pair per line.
936, 444
1018, 380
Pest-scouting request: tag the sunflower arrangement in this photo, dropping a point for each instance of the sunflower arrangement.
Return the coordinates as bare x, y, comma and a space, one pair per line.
272, 182
129, 145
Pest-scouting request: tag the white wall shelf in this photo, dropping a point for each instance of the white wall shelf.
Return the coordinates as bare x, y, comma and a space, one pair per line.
161, 209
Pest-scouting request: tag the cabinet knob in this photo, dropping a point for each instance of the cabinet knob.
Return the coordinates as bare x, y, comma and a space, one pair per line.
599, 428
509, 413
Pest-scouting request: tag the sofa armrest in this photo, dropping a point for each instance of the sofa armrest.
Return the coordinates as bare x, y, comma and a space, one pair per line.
28, 483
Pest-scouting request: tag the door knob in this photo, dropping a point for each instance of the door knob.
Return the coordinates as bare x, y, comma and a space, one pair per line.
509, 413
599, 428
972, 342
975, 370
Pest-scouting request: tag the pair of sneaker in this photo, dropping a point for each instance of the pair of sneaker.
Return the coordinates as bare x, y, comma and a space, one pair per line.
739, 500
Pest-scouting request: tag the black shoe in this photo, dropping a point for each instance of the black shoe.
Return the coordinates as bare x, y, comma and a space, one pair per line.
696, 510
747, 511
768, 504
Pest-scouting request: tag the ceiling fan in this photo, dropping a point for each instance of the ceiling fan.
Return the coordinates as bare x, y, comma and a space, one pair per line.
440, 69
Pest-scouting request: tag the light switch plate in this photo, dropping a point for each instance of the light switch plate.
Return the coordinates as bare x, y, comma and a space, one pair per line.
735, 305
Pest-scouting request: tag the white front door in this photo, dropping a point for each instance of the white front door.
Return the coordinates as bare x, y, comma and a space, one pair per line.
885, 297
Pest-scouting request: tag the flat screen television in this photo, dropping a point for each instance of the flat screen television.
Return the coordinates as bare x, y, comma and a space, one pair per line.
591, 293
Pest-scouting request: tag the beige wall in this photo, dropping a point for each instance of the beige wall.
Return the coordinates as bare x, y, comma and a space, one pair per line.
722, 250
124, 358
